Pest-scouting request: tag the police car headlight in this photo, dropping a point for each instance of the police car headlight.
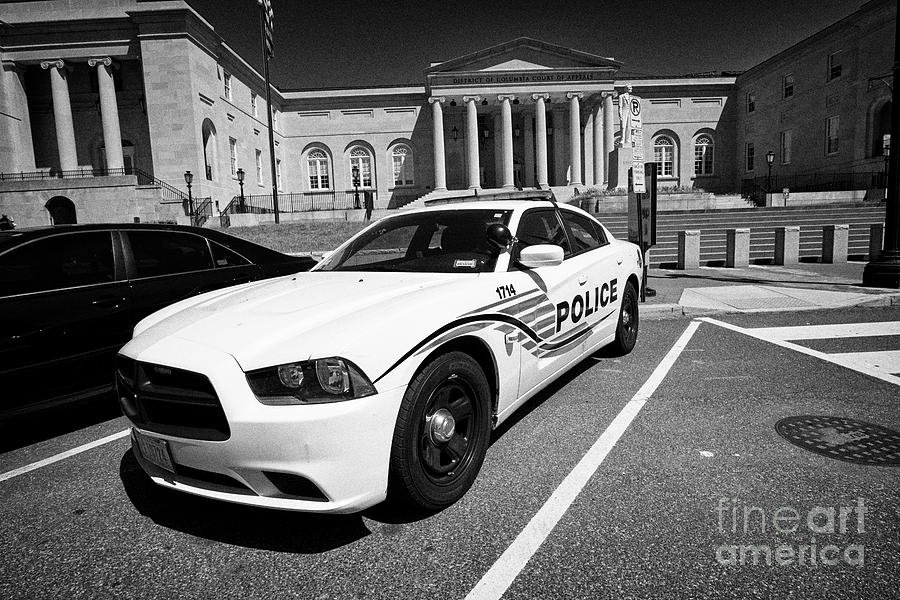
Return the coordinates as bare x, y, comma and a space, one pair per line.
309, 382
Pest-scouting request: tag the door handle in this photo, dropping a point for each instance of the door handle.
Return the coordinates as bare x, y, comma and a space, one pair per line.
582, 279
108, 302
618, 261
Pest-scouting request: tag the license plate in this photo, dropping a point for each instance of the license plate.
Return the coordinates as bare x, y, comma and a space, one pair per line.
155, 450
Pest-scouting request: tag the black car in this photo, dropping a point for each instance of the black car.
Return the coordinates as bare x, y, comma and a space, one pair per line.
70, 296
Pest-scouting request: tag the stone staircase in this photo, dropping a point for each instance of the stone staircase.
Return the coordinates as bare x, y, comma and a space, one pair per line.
762, 223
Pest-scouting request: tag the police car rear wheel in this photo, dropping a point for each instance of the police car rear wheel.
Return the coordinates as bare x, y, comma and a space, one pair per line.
627, 328
442, 433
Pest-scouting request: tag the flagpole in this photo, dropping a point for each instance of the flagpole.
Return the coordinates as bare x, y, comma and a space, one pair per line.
262, 27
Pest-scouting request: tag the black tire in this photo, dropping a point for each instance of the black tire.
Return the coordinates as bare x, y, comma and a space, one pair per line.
627, 327
431, 468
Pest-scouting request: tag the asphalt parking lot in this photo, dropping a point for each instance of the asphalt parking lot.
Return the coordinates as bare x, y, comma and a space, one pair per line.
657, 475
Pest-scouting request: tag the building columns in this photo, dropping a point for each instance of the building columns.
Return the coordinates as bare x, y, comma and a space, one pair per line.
529, 151
599, 171
608, 133
472, 158
587, 168
109, 112
440, 165
540, 125
507, 174
575, 136
62, 114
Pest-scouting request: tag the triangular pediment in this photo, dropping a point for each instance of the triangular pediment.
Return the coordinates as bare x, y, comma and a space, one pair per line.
524, 54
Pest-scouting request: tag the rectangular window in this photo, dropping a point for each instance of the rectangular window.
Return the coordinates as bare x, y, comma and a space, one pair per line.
834, 66
832, 124
786, 147
228, 86
253, 110
278, 173
232, 155
259, 173
750, 155
787, 86
751, 102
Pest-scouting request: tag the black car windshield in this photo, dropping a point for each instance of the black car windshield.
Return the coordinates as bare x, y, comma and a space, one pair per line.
445, 241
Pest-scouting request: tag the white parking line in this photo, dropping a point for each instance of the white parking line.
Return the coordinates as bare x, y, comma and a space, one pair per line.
62, 455
500, 576
886, 361
837, 359
837, 330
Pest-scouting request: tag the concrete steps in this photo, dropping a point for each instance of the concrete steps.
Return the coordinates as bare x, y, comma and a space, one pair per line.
762, 223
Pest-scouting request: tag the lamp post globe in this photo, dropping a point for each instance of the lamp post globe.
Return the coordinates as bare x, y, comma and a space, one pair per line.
240, 178
188, 179
770, 159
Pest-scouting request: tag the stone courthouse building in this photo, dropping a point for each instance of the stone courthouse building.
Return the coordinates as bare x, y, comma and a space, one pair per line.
104, 104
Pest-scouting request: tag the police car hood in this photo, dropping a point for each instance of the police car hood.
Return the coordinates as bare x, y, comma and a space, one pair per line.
369, 318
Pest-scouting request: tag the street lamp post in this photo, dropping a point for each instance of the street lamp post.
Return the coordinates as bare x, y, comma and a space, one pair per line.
886, 151
770, 160
240, 176
188, 179
885, 271
356, 185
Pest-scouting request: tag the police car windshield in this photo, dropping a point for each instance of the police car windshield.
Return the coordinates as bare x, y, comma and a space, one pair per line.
446, 241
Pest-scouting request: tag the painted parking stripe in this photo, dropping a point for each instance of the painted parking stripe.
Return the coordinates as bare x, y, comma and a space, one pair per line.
500, 576
837, 359
823, 332
886, 361
63, 455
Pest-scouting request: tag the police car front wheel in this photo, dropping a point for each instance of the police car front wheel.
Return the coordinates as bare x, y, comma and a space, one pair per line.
442, 433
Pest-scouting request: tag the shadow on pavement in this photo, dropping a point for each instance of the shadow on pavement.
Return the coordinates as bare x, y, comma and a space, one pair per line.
564, 380
750, 280
246, 526
50, 423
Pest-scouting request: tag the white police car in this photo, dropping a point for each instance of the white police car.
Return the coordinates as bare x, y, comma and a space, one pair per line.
382, 371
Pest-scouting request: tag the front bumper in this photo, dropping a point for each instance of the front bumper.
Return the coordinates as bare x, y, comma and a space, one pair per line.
343, 448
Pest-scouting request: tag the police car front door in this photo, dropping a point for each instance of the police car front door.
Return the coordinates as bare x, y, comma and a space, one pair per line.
561, 328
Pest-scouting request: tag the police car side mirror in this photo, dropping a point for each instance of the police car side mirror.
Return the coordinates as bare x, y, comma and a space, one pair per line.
541, 255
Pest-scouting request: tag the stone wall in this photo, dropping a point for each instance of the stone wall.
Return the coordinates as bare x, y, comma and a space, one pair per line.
96, 200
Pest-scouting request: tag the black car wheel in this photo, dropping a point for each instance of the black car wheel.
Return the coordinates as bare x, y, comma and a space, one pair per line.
627, 327
442, 433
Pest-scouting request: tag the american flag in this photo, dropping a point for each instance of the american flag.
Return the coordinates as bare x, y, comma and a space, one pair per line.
269, 24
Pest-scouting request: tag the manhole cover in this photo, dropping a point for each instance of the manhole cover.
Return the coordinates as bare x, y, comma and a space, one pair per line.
843, 439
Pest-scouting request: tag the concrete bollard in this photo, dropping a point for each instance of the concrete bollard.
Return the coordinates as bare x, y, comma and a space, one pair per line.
737, 253
834, 243
689, 249
787, 245
876, 240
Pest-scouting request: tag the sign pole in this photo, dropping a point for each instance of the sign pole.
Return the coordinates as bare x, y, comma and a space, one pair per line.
885, 271
266, 57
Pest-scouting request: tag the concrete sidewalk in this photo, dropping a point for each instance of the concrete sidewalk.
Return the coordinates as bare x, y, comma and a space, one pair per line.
758, 288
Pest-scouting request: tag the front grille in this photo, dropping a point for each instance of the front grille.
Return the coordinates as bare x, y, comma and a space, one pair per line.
170, 401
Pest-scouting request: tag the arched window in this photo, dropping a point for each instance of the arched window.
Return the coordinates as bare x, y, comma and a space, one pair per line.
317, 161
210, 151
881, 126
361, 159
664, 155
402, 161
703, 155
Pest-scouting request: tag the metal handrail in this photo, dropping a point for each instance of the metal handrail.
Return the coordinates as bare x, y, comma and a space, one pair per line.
170, 193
